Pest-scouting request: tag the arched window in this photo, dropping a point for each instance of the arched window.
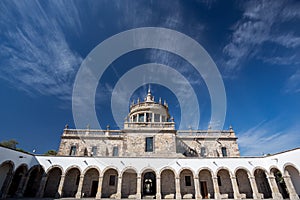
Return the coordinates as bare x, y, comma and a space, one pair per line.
73, 150
224, 151
203, 152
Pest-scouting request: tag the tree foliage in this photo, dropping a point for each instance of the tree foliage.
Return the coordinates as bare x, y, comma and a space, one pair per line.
51, 153
12, 143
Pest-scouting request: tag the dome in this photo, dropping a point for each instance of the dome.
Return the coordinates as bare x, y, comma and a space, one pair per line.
149, 114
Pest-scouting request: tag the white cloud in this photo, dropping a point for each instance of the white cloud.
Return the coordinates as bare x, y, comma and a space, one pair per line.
35, 55
266, 138
293, 83
259, 24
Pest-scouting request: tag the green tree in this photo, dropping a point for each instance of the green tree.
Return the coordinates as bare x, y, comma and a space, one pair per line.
12, 143
50, 153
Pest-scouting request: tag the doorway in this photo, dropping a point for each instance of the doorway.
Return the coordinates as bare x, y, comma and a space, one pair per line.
94, 188
204, 191
149, 184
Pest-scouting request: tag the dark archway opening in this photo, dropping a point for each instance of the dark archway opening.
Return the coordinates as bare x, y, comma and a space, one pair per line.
149, 184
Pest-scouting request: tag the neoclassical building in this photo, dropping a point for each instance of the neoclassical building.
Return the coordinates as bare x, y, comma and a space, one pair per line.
149, 159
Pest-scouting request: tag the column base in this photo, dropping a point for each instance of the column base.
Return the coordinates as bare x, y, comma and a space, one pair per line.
178, 196
78, 195
158, 196
277, 196
294, 197
98, 196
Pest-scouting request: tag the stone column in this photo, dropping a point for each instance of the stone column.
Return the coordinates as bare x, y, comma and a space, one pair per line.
60, 186
255, 194
291, 189
216, 187
197, 188
78, 194
139, 187
6, 184
177, 184
273, 185
235, 187
119, 187
99, 191
41, 190
22, 186
158, 188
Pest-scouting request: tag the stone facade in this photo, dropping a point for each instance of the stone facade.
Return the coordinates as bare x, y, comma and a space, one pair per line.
149, 119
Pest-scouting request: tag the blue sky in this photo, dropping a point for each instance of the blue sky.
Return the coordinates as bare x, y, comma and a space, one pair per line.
255, 45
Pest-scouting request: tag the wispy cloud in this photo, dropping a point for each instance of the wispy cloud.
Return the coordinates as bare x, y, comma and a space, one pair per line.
35, 54
259, 24
267, 137
293, 83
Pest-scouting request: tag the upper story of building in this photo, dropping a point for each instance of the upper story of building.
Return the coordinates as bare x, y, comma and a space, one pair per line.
149, 131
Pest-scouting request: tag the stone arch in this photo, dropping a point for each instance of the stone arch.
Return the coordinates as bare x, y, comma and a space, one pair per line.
6, 174
280, 182
109, 168
110, 182
53, 180
168, 187
128, 168
55, 166
129, 182
261, 168
170, 168
91, 167
262, 183
206, 183
224, 182
90, 182
242, 177
187, 185
148, 179
18, 179
71, 182
35, 175
293, 172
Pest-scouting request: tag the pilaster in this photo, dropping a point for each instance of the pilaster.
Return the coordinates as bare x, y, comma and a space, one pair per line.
40, 192
235, 187
119, 187
291, 189
139, 187
60, 186
254, 188
99, 191
216, 187
197, 188
273, 185
158, 188
78, 194
177, 184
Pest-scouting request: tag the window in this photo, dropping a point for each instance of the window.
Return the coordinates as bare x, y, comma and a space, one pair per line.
94, 151
85, 153
163, 118
156, 117
203, 152
224, 152
134, 118
219, 181
149, 144
112, 180
115, 151
148, 117
73, 150
188, 181
141, 117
